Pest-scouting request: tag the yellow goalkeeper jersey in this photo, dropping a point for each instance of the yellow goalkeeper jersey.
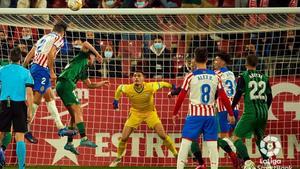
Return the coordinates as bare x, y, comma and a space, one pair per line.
141, 101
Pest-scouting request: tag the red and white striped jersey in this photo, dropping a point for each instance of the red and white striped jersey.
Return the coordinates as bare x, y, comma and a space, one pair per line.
43, 47
202, 85
229, 84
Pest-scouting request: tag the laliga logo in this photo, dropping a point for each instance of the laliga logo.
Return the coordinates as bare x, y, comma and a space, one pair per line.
270, 146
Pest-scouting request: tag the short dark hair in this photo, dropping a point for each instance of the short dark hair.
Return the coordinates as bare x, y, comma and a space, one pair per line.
60, 27
157, 37
252, 60
225, 57
15, 54
200, 55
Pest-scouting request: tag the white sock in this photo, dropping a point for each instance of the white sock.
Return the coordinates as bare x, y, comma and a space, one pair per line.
213, 154
51, 106
34, 109
183, 153
230, 143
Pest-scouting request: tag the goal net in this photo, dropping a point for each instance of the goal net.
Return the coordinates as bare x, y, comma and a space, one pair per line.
271, 33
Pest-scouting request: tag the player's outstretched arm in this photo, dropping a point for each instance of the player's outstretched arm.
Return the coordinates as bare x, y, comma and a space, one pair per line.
29, 56
51, 57
93, 85
118, 95
87, 46
178, 104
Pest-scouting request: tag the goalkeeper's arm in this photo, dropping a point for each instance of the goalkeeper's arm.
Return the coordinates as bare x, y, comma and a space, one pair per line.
159, 85
118, 95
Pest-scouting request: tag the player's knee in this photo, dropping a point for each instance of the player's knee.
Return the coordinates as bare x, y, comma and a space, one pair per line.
124, 139
19, 136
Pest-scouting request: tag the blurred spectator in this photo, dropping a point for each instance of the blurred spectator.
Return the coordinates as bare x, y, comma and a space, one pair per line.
91, 38
24, 47
111, 3
26, 37
76, 46
91, 3
203, 40
114, 65
4, 3
287, 48
4, 46
196, 4
57, 4
8, 3
158, 60
135, 4
32, 4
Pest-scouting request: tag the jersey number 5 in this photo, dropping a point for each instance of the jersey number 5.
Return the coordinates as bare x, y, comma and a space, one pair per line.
258, 90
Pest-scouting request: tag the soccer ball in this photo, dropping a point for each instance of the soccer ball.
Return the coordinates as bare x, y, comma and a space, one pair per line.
75, 5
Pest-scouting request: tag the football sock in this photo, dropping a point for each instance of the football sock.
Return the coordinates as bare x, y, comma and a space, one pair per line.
197, 152
183, 153
21, 154
121, 148
168, 142
241, 149
6, 140
262, 154
213, 154
51, 106
34, 109
81, 129
224, 145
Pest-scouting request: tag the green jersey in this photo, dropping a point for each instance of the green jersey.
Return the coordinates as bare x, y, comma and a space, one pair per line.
76, 69
257, 93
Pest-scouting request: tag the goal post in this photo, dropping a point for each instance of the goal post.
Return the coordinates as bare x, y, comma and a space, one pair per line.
271, 33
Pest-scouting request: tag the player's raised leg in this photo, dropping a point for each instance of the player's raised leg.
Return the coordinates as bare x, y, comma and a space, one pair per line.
126, 132
167, 141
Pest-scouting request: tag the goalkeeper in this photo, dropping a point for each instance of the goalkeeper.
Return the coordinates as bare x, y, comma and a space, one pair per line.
77, 70
141, 98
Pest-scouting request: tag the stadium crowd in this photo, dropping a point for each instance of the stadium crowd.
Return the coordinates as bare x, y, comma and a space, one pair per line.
160, 55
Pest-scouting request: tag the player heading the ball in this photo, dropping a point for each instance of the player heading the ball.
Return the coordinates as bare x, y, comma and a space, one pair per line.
43, 56
77, 70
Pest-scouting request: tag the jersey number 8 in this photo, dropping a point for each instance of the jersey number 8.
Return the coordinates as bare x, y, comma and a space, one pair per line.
205, 90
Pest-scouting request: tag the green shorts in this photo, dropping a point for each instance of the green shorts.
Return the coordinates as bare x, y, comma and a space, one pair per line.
66, 91
249, 125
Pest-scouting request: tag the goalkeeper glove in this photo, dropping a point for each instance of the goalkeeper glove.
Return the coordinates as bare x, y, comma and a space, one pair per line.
116, 104
173, 86
175, 91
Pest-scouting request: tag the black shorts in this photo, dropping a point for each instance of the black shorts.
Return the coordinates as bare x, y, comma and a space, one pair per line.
14, 114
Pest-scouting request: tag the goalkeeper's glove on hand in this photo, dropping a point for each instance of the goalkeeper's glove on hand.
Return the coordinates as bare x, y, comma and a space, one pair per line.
116, 104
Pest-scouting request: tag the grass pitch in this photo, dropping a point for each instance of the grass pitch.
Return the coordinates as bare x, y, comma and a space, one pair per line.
76, 167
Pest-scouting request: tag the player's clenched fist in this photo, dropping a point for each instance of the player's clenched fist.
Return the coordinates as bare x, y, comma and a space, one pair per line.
116, 105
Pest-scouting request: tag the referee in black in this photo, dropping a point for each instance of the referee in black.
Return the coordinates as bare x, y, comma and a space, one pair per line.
16, 89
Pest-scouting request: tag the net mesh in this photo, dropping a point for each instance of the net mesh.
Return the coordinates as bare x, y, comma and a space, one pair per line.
273, 37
